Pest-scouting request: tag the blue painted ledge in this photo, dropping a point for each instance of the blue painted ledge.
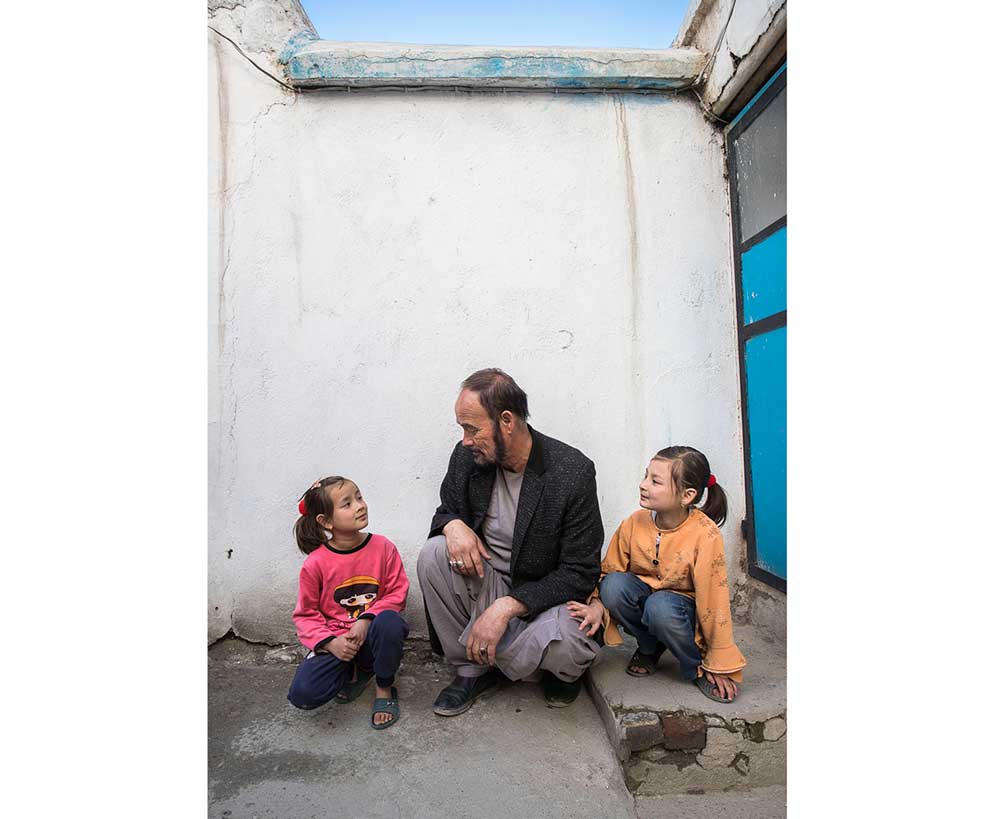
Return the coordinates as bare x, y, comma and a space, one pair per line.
318, 63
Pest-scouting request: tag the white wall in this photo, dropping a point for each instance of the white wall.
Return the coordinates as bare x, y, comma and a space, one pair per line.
367, 251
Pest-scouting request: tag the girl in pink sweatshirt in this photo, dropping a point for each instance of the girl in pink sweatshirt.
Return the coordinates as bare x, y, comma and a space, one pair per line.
352, 591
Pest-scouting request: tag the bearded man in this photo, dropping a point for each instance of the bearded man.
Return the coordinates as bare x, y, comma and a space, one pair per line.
518, 534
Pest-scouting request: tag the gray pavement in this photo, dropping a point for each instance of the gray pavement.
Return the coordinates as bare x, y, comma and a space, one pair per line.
507, 756
758, 803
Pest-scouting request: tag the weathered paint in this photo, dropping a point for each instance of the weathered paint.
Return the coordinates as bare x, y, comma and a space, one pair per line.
295, 43
262, 27
751, 32
758, 95
311, 62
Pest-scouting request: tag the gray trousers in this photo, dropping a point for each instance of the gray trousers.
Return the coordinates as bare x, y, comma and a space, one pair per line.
552, 641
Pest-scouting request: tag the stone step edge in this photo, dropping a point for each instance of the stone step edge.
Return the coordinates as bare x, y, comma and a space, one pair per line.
635, 730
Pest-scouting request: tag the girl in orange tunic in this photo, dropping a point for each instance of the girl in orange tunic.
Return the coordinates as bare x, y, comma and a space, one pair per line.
664, 577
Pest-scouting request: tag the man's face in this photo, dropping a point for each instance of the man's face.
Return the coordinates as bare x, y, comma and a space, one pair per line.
479, 433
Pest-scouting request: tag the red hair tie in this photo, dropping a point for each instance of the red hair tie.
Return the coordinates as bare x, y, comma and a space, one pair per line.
302, 503
711, 482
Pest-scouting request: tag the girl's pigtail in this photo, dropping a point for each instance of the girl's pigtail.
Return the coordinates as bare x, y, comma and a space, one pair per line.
309, 535
715, 506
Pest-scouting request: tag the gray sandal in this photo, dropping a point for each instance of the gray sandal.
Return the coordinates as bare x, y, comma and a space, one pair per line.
707, 687
386, 705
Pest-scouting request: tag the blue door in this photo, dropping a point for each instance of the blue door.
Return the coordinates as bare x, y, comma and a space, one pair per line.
756, 156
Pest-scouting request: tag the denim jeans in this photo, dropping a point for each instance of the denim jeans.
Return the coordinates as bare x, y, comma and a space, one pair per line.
319, 678
655, 618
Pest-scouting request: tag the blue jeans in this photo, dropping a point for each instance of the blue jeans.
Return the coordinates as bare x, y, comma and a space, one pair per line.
655, 618
320, 678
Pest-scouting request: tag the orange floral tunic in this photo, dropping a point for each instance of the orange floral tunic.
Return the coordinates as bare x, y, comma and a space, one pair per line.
692, 563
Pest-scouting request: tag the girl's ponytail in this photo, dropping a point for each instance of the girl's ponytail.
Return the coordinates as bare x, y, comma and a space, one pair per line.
716, 506
309, 535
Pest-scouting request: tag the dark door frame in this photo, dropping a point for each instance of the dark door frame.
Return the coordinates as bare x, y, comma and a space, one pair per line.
757, 106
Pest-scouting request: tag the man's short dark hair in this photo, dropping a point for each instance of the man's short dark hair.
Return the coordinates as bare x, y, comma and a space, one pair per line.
497, 392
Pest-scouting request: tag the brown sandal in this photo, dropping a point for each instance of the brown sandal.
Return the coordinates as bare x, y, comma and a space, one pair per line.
646, 661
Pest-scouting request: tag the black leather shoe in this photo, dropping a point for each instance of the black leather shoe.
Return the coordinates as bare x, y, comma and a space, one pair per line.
559, 694
462, 692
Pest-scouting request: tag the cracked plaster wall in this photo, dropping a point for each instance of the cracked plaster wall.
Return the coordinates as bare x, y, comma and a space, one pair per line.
755, 27
369, 250
261, 27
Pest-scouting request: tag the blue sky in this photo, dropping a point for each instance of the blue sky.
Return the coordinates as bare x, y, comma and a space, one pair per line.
632, 23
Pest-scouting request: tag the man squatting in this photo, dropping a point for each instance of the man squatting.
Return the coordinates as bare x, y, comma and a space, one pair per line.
518, 534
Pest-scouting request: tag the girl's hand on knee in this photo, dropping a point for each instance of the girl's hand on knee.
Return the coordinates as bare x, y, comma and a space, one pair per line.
359, 631
590, 617
343, 647
724, 686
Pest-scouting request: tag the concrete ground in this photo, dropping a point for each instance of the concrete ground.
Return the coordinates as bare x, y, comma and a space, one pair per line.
509, 755
758, 803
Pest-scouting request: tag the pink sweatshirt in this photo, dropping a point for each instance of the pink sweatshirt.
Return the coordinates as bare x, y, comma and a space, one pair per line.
338, 588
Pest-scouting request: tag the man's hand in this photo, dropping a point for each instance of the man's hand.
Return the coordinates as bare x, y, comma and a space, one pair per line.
359, 631
590, 617
343, 647
724, 687
481, 647
465, 548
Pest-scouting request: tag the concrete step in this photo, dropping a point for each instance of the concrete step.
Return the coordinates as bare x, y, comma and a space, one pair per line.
671, 739
757, 803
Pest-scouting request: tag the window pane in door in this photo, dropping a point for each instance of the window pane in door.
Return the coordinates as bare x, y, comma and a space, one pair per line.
760, 169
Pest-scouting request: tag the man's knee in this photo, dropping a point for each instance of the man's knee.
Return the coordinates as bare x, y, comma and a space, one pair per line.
430, 555
570, 655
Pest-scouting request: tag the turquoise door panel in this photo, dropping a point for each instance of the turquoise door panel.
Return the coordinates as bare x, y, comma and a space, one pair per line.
767, 421
764, 267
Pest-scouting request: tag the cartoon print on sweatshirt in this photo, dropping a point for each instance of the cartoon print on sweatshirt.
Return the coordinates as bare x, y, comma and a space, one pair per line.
356, 594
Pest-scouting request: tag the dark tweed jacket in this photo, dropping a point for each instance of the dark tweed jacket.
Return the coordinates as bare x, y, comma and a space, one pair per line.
558, 534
